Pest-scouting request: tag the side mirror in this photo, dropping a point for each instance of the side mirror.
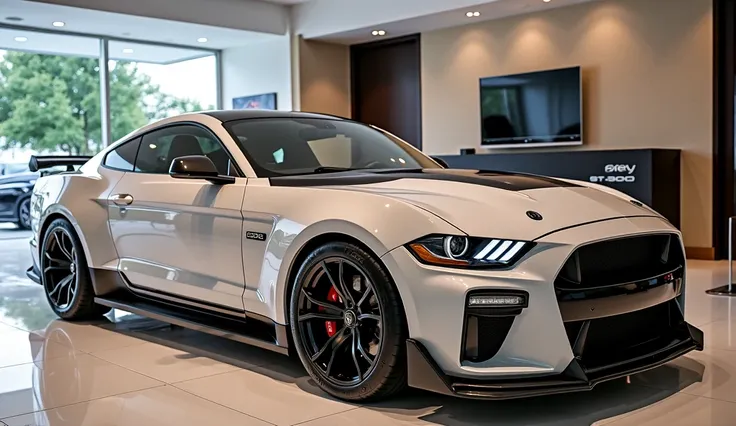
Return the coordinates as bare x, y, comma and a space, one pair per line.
441, 162
197, 167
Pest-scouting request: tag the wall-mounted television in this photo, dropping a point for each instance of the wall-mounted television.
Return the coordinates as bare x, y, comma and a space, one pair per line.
535, 109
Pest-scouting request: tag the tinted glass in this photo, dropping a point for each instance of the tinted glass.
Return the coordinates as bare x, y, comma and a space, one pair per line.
123, 157
161, 147
289, 146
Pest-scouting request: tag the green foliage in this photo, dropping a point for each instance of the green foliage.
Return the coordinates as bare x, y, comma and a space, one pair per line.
50, 103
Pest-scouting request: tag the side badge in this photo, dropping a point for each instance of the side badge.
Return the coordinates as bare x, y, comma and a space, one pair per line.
534, 215
255, 236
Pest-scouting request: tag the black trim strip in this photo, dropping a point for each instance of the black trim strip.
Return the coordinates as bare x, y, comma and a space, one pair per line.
493, 179
185, 299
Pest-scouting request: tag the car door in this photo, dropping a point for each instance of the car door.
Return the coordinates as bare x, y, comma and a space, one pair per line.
180, 237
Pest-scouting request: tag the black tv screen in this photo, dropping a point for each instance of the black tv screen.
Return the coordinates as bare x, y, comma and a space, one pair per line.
530, 110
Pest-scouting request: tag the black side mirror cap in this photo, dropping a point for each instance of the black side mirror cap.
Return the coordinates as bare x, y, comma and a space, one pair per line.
197, 167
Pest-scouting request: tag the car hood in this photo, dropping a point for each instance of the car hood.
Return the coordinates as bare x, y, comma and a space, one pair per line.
492, 204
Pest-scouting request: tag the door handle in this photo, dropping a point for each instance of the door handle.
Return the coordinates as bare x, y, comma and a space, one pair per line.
122, 199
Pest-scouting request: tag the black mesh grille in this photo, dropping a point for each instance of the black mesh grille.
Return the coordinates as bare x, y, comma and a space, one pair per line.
484, 336
621, 261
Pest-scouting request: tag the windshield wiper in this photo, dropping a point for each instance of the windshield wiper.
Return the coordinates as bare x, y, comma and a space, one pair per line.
329, 169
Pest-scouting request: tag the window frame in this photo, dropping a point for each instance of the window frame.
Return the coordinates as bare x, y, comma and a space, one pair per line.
236, 167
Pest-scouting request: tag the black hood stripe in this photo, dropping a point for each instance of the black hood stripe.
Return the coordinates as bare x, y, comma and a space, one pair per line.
499, 180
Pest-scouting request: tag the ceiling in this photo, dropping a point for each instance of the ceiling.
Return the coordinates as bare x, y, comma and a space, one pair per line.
349, 22
37, 15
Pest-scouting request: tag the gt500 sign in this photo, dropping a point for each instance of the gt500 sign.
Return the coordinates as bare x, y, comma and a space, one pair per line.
616, 173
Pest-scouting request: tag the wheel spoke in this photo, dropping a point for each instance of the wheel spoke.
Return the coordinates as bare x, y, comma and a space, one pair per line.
61, 262
343, 286
361, 349
355, 358
56, 268
364, 297
322, 304
59, 286
62, 247
334, 352
369, 316
321, 316
329, 342
69, 290
337, 288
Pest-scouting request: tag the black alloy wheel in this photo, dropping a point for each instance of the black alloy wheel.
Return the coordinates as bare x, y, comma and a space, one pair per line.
24, 214
64, 274
348, 325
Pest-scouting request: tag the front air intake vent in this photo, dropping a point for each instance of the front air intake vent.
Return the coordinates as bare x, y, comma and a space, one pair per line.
621, 261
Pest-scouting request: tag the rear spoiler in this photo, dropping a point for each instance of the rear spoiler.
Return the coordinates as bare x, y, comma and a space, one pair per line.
40, 162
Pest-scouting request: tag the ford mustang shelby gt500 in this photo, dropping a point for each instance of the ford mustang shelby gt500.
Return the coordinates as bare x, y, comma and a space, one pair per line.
377, 265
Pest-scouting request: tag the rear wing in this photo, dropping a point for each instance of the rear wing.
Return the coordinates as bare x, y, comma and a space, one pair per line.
40, 162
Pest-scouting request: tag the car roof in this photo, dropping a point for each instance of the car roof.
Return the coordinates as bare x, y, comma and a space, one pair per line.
242, 114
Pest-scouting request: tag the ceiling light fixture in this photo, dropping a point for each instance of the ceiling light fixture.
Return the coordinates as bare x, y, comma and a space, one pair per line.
202, 39
378, 32
127, 50
58, 24
546, 1
21, 39
472, 14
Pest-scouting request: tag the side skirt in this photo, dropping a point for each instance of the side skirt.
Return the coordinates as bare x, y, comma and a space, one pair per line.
247, 328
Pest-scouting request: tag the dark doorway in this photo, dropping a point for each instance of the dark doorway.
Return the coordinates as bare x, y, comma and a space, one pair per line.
724, 74
387, 87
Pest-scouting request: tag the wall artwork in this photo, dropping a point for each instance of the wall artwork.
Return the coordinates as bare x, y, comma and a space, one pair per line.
264, 101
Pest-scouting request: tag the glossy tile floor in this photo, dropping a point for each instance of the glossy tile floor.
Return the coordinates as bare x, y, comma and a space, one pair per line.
131, 371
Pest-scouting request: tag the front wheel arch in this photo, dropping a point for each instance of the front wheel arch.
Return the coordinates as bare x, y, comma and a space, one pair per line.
311, 245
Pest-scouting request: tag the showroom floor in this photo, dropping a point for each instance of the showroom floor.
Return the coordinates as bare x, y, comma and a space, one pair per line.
131, 371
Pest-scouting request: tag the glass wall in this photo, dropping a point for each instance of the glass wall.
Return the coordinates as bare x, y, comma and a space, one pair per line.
148, 83
50, 97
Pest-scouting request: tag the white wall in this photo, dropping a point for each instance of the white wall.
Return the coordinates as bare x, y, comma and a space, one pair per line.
258, 68
647, 77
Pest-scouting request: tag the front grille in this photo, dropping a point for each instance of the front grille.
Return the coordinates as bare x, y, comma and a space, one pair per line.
620, 261
484, 336
607, 342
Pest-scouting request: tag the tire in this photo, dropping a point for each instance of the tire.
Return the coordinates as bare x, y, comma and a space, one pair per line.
24, 214
364, 359
65, 274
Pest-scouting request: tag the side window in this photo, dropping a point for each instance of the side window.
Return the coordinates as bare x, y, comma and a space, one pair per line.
160, 147
123, 157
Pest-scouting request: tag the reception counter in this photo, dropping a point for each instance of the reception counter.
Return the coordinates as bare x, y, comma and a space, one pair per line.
650, 175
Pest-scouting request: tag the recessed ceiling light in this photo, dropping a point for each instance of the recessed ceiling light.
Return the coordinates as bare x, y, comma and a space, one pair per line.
14, 18
202, 39
21, 39
472, 14
546, 1
378, 32
127, 50
58, 24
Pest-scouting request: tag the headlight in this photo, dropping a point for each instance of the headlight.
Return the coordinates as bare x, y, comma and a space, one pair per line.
462, 251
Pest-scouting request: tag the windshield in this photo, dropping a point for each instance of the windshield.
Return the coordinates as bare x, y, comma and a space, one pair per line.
292, 146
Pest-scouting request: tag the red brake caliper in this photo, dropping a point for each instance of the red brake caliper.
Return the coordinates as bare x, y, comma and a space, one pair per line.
331, 326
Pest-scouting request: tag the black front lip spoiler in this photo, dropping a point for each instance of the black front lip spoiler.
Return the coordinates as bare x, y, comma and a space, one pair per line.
424, 373
34, 275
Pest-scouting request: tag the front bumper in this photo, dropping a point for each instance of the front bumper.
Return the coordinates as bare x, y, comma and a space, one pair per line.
423, 372
537, 350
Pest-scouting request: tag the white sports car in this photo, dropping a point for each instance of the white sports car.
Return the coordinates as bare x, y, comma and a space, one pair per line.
377, 265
